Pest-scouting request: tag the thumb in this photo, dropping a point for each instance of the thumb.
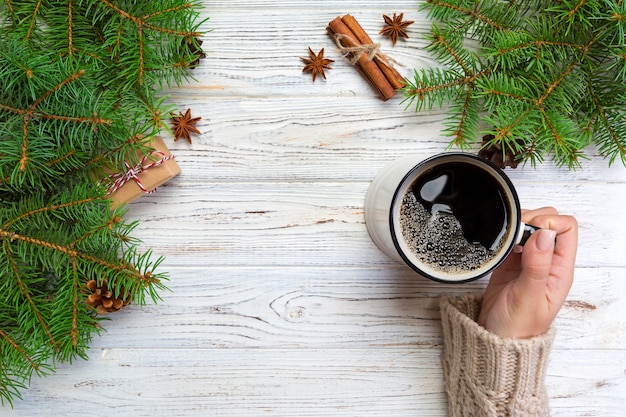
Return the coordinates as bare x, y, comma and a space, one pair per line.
537, 261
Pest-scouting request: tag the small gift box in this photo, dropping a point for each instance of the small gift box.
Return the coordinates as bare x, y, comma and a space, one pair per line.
152, 170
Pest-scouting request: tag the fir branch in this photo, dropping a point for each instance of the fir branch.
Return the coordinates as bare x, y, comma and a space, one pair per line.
455, 50
13, 378
75, 303
27, 295
50, 208
552, 75
555, 84
435, 87
18, 348
613, 134
32, 113
10, 6
108, 225
33, 20
78, 94
443, 9
143, 21
72, 253
431, 87
466, 120
70, 24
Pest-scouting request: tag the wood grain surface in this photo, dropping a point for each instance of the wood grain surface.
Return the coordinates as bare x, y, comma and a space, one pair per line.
280, 304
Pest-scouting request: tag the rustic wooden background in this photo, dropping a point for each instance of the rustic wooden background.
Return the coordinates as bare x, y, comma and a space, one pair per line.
280, 304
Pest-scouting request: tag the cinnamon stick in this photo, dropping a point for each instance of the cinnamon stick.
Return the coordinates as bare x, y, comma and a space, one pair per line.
367, 67
392, 75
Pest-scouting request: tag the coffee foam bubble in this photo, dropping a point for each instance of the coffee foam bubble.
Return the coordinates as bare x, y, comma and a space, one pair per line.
437, 240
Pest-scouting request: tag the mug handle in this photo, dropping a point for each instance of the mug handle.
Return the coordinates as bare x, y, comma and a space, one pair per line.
525, 233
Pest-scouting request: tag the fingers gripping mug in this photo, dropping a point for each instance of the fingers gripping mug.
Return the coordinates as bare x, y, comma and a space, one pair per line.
453, 217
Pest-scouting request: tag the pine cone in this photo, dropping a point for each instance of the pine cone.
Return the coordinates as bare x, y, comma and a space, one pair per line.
195, 50
103, 299
493, 153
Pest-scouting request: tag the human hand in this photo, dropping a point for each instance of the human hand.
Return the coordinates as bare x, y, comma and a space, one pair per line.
528, 289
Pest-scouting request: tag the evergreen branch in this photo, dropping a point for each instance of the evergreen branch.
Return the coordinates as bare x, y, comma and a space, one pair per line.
555, 84
506, 94
135, 143
70, 25
439, 40
78, 84
437, 85
576, 8
614, 142
10, 6
504, 134
471, 12
143, 21
545, 60
33, 20
19, 349
31, 113
31, 110
50, 164
562, 139
118, 37
57, 87
72, 253
141, 55
26, 294
170, 10
24, 158
459, 135
15, 110
421, 90
62, 158
558, 140
94, 120
48, 209
537, 45
107, 225
75, 289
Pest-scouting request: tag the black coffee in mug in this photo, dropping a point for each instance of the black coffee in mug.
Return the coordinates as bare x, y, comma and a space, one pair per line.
453, 217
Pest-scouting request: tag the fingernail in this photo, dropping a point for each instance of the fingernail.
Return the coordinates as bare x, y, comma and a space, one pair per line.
545, 239
518, 249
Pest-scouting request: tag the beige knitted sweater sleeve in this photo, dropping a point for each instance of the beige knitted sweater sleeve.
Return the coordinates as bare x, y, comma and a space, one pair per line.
485, 375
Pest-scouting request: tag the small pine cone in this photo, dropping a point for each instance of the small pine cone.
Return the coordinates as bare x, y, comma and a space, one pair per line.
493, 153
103, 299
195, 50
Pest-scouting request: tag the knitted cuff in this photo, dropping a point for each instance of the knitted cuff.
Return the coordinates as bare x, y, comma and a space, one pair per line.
492, 375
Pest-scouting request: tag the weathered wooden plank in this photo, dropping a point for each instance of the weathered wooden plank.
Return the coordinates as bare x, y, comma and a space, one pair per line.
317, 139
322, 307
302, 223
265, 53
290, 382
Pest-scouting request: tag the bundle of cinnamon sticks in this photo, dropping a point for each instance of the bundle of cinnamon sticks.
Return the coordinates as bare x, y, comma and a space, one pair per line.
359, 48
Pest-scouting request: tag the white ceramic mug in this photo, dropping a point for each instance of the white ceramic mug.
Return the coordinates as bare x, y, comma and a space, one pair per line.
485, 210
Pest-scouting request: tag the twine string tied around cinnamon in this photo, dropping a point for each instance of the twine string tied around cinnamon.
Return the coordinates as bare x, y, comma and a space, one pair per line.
372, 50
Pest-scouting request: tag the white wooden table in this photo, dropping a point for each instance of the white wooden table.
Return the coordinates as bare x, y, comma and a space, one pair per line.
280, 304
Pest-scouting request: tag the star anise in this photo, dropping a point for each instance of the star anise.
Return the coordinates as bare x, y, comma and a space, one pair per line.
183, 125
394, 27
316, 64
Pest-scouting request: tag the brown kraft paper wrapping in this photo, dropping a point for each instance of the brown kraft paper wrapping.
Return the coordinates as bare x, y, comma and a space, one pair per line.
153, 170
